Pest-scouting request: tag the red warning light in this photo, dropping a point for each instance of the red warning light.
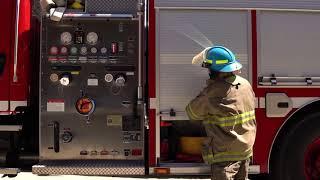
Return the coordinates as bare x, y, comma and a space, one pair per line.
114, 48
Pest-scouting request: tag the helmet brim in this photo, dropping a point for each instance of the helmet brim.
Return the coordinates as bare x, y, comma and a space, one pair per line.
228, 68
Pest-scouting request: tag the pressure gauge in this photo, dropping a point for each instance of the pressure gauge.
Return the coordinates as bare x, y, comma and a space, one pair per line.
53, 50
83, 50
65, 80
54, 77
73, 50
103, 50
66, 38
94, 50
64, 50
92, 38
120, 80
108, 78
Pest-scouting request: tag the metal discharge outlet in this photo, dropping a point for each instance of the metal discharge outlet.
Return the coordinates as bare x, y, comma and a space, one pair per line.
66, 137
85, 106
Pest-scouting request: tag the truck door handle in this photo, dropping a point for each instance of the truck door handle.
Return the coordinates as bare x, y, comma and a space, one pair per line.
283, 105
56, 134
16, 41
2, 63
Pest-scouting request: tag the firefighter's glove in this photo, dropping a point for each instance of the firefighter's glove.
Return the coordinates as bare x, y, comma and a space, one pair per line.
201, 57
46, 5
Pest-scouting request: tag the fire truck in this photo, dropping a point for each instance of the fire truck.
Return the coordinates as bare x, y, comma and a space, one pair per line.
101, 89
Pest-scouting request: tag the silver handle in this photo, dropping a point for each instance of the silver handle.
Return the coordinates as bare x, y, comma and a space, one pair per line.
16, 41
140, 68
289, 81
72, 15
145, 115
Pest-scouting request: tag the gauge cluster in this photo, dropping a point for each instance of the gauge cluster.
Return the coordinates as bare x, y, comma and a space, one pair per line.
66, 38
78, 46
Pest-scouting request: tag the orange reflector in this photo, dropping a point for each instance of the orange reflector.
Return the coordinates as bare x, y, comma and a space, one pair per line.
162, 171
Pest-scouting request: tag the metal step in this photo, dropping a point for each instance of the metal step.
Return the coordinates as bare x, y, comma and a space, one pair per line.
9, 171
193, 168
90, 167
12, 128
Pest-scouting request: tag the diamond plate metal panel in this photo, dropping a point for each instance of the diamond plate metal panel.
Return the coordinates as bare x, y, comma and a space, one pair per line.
92, 167
112, 6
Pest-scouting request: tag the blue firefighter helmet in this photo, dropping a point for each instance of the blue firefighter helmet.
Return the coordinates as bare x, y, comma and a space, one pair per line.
221, 59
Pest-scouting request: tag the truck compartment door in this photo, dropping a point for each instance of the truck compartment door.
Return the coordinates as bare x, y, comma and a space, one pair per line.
180, 35
287, 48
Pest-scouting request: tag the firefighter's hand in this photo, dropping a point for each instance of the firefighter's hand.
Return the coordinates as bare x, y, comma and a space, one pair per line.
199, 58
60, 3
46, 5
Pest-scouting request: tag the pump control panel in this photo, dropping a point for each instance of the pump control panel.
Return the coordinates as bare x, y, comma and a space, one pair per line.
89, 88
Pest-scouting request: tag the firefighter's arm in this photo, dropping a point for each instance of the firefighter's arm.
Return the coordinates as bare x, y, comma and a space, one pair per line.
197, 109
46, 5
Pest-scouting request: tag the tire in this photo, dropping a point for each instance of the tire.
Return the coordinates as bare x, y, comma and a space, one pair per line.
12, 175
288, 159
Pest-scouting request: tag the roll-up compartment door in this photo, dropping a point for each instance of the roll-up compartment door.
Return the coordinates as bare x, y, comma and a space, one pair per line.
288, 43
183, 33
241, 4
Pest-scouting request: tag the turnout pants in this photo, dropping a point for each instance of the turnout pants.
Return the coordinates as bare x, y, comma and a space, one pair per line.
237, 170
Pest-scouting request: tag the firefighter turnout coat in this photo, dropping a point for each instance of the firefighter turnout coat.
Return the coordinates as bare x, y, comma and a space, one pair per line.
226, 107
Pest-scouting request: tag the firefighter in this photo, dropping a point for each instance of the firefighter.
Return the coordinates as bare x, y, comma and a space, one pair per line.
226, 107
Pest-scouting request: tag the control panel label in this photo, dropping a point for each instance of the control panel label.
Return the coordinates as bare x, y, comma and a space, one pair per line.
114, 120
55, 105
92, 82
130, 73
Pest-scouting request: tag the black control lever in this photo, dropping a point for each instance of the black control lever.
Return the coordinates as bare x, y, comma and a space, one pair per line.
56, 132
2, 63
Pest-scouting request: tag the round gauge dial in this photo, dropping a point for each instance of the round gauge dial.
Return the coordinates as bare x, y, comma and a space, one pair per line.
103, 50
66, 38
65, 79
53, 50
94, 50
64, 50
108, 78
92, 38
85, 106
54, 77
73, 50
83, 50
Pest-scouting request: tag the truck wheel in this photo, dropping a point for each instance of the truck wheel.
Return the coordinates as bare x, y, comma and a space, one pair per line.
12, 175
298, 153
